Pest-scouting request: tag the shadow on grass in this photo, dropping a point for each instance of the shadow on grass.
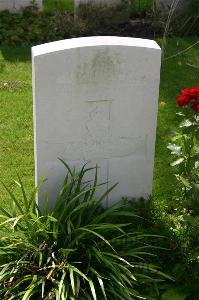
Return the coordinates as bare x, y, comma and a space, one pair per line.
13, 53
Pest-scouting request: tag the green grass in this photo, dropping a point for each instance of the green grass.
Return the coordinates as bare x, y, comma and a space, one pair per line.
177, 73
16, 124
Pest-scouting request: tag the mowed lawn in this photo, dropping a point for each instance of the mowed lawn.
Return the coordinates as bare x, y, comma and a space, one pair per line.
16, 121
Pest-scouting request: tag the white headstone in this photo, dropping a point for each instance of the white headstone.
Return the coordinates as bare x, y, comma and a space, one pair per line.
95, 99
17, 5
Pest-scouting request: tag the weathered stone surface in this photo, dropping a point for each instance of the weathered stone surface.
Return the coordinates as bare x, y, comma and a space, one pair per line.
16, 5
95, 99
6, 5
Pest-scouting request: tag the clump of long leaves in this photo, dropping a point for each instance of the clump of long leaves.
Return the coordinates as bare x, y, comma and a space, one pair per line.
79, 250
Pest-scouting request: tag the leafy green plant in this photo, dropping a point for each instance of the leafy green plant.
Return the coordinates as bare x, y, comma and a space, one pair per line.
183, 217
187, 149
29, 27
79, 250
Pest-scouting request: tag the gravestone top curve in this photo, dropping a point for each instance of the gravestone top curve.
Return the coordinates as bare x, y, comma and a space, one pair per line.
92, 42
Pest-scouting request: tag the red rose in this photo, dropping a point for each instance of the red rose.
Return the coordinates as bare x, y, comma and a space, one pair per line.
195, 106
194, 93
182, 100
195, 90
189, 96
185, 92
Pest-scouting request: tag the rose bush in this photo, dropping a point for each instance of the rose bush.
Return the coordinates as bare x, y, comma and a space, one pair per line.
189, 96
186, 147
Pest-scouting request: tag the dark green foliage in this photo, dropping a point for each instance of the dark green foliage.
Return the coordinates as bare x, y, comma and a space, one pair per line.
188, 24
141, 8
61, 5
78, 251
33, 27
56, 21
